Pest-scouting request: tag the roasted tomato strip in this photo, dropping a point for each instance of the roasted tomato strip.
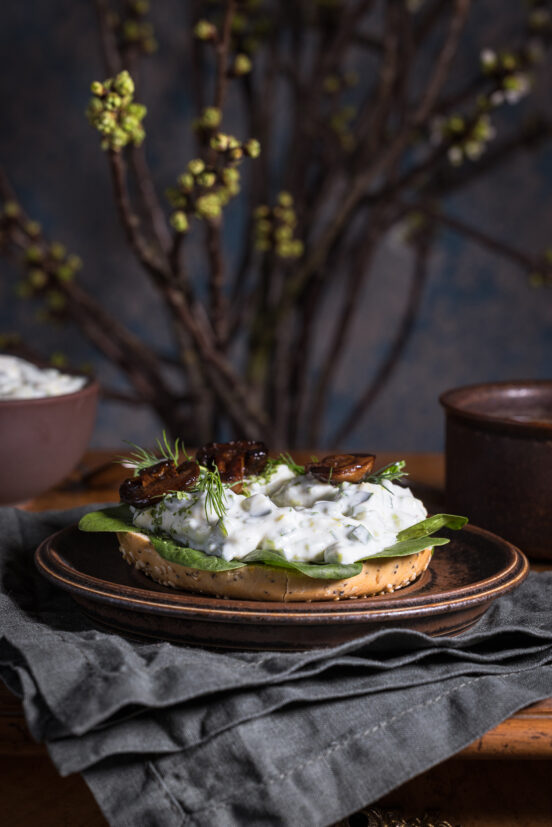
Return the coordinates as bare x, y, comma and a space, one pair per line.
154, 482
234, 460
342, 468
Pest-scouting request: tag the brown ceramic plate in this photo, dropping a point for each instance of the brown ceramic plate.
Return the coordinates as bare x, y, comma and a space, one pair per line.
463, 579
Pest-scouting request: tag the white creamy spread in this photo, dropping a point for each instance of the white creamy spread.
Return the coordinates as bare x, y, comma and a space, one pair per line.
20, 379
304, 519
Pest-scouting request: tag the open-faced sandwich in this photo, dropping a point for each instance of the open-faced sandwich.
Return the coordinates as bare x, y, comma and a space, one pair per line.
234, 522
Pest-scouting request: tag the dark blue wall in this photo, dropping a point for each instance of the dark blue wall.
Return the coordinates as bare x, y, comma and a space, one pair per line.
480, 320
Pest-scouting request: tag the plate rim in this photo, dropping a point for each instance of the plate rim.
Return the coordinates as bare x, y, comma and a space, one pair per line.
280, 613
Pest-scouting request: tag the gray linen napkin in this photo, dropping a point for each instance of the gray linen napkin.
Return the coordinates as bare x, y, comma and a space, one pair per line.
171, 735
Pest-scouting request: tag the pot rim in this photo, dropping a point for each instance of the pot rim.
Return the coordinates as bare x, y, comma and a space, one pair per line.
91, 388
455, 400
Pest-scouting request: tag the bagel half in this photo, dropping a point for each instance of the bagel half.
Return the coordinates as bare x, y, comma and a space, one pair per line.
262, 582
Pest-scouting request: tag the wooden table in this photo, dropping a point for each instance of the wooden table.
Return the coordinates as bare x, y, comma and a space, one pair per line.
510, 783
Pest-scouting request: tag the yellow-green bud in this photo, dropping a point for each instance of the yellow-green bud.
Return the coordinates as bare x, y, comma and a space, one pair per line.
236, 154
33, 253
264, 226
57, 250
65, 273
233, 143
106, 122
261, 211
55, 300
131, 31
242, 64
137, 110
75, 262
252, 148
456, 124
224, 194
95, 106
287, 216
179, 221
37, 278
139, 135
118, 138
283, 233
196, 166
140, 7
129, 124
331, 84
33, 228
206, 179
210, 117
239, 23
509, 61
123, 84
11, 209
208, 206
59, 359
285, 199
219, 142
290, 249
186, 181
113, 101
204, 30
230, 175
97, 88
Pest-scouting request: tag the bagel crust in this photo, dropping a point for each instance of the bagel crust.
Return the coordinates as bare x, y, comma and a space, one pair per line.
262, 582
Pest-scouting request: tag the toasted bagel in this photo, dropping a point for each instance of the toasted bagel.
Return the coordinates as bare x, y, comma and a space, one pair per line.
263, 582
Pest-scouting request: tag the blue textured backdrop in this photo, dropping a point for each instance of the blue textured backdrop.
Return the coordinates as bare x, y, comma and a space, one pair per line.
479, 321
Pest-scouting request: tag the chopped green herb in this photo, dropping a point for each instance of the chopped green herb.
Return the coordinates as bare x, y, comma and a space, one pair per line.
272, 464
211, 484
140, 458
291, 464
393, 471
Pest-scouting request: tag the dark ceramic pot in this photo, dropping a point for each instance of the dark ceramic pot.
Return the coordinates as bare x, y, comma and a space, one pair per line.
499, 460
41, 441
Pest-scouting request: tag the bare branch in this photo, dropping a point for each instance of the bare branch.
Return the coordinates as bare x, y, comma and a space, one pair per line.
501, 248
222, 49
130, 220
398, 346
440, 71
111, 56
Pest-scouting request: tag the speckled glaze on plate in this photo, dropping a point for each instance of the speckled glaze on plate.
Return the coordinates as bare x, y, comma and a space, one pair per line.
460, 584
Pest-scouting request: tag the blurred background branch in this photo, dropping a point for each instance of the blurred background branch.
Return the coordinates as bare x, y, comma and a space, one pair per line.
376, 132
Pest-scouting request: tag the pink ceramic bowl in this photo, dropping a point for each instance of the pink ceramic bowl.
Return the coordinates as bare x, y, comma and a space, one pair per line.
41, 440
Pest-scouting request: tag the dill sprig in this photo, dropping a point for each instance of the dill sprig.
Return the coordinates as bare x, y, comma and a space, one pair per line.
393, 471
140, 458
288, 460
212, 486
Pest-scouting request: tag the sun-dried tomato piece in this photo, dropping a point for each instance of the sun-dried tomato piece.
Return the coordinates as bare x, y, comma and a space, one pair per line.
234, 460
151, 484
338, 468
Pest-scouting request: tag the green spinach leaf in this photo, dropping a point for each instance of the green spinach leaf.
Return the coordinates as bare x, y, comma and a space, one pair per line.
116, 518
431, 524
320, 571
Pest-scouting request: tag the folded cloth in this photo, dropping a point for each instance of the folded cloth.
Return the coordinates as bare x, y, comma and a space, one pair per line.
172, 735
